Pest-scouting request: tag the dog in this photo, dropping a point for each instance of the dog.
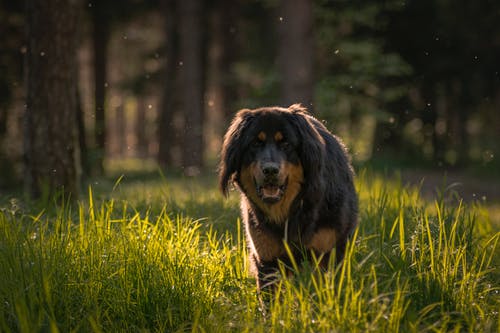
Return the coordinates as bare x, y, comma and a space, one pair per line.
296, 182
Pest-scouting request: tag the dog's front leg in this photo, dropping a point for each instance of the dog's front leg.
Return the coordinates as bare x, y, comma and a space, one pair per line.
267, 275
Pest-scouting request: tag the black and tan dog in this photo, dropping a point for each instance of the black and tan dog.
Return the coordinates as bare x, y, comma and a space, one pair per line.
296, 185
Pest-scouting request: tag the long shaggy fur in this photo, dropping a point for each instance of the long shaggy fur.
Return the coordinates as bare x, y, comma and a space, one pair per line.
296, 185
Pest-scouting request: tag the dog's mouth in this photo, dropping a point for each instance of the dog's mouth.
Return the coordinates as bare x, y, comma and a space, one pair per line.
271, 192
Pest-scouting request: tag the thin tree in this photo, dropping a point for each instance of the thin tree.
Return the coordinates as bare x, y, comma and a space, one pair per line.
166, 129
224, 31
82, 140
50, 148
295, 51
101, 35
192, 85
141, 127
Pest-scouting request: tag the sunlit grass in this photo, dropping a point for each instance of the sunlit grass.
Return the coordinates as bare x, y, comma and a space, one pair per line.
168, 254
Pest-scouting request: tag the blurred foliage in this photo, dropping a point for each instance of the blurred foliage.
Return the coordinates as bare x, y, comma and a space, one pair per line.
358, 78
416, 80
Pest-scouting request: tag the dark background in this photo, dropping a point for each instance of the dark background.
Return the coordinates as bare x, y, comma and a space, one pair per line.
89, 87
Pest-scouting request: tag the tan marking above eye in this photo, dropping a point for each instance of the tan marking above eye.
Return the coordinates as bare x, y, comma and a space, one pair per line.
261, 136
278, 136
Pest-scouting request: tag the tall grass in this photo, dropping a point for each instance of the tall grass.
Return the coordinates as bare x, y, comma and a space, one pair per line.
118, 264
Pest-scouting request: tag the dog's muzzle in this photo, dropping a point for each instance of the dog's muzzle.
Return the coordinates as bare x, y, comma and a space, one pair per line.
270, 189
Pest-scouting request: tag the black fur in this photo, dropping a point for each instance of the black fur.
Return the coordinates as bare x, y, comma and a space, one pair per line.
325, 205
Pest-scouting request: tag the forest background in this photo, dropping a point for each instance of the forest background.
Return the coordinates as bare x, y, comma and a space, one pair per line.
409, 85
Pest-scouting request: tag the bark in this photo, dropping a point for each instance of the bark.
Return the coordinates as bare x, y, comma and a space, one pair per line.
101, 34
166, 128
191, 73
140, 128
457, 122
50, 148
3, 122
82, 141
295, 52
225, 30
121, 130
429, 118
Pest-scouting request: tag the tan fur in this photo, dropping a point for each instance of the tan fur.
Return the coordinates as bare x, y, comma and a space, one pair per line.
265, 245
323, 240
278, 212
246, 178
261, 136
278, 136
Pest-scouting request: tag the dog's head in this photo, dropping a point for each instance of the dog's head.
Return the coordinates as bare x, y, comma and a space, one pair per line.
272, 154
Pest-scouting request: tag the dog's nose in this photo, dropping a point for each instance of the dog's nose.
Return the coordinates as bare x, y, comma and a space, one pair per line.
270, 169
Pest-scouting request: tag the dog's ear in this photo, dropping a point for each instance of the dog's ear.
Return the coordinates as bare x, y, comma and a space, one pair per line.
298, 108
312, 148
230, 160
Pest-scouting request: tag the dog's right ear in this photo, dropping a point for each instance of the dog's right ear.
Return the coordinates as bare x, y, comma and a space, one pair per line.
232, 148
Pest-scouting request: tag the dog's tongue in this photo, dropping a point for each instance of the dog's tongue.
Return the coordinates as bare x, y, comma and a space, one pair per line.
271, 191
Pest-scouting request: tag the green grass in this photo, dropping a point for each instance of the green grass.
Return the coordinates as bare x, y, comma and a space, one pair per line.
167, 254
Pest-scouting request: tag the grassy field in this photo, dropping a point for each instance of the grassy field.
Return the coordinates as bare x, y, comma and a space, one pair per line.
167, 254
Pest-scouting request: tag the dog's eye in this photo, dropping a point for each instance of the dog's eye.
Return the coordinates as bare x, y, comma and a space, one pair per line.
285, 145
257, 143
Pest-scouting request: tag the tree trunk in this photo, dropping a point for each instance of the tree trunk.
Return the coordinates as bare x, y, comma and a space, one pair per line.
51, 70
191, 71
224, 40
7, 177
121, 130
166, 128
101, 35
295, 52
82, 141
140, 128
457, 122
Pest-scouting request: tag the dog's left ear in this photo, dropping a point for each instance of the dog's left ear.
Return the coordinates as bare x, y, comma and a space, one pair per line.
230, 160
312, 149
